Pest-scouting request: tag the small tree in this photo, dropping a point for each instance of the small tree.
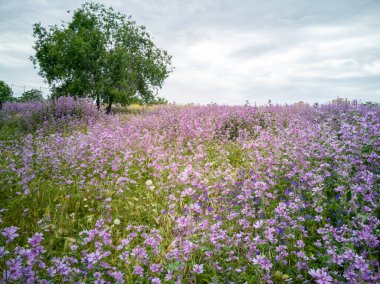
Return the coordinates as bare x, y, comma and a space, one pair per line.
100, 54
31, 95
6, 93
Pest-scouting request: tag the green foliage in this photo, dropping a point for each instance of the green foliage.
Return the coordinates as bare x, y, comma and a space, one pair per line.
6, 93
371, 104
100, 54
31, 95
158, 101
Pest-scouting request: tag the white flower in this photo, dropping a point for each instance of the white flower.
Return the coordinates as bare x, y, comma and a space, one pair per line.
152, 187
116, 221
148, 182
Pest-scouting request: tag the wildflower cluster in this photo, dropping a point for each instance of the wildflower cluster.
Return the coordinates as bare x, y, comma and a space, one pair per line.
196, 194
48, 116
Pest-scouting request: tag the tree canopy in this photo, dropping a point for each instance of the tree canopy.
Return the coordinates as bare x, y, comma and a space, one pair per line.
6, 93
100, 54
31, 95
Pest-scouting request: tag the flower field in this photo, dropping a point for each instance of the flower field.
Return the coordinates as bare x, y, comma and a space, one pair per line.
189, 194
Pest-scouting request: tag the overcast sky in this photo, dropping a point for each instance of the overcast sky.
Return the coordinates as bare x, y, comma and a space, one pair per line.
227, 51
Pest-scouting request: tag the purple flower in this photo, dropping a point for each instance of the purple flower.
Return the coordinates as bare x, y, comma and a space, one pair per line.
155, 281
269, 234
3, 252
263, 262
138, 270
139, 252
198, 268
300, 244
155, 268
10, 233
14, 269
321, 276
73, 247
258, 224
36, 239
169, 275
118, 276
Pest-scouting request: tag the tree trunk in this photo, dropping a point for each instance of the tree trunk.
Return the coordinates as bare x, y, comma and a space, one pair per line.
110, 100
98, 102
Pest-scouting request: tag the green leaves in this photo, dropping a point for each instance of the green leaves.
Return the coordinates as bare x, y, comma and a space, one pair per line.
100, 54
5, 93
174, 265
31, 95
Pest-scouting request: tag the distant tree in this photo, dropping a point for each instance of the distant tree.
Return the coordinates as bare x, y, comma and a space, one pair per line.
31, 95
100, 54
6, 93
371, 104
159, 101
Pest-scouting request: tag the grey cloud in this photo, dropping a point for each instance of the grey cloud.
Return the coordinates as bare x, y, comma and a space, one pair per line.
229, 51
254, 50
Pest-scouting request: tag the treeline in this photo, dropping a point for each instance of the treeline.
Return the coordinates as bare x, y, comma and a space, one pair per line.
7, 95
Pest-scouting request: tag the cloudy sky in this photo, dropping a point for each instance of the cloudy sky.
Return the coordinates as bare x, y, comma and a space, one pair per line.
227, 51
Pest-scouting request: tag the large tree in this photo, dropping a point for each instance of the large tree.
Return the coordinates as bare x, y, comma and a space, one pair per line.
6, 93
100, 54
